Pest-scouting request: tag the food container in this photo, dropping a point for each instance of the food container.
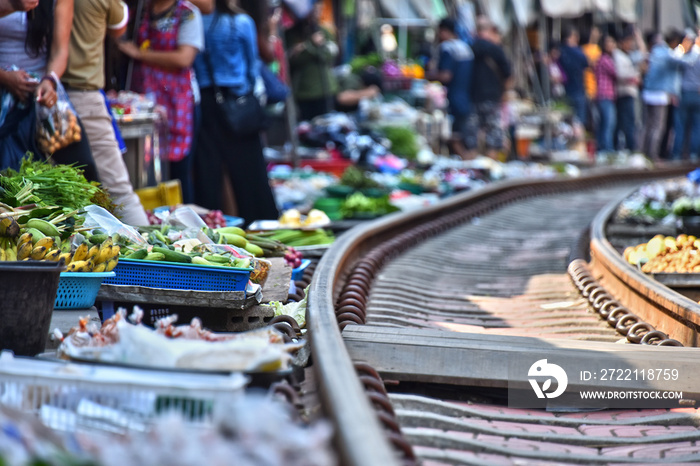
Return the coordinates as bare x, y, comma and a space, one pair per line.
78, 290
175, 276
26, 303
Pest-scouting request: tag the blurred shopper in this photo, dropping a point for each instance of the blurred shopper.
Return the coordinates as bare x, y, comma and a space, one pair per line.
661, 88
628, 80
557, 76
230, 63
687, 124
35, 44
84, 80
311, 54
592, 51
574, 63
606, 77
168, 40
454, 70
11, 6
491, 77
674, 40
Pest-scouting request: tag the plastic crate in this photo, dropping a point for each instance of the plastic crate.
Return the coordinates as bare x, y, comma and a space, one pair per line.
78, 290
165, 194
172, 276
298, 273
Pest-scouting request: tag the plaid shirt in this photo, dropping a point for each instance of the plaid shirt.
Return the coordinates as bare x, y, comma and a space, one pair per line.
605, 77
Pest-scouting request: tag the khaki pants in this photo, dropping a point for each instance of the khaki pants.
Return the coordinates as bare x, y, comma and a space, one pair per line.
111, 167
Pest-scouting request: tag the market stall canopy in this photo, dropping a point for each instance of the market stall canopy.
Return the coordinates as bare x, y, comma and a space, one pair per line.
431, 10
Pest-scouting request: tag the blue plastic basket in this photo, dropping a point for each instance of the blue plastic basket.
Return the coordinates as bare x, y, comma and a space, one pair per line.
298, 273
78, 290
172, 276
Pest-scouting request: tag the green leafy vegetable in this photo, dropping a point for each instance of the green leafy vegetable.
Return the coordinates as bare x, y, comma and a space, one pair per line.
403, 141
43, 184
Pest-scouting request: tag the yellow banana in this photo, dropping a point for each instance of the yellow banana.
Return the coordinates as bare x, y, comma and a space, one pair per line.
24, 251
48, 242
105, 253
106, 244
100, 267
80, 266
93, 252
81, 253
53, 256
11, 254
9, 227
38, 253
115, 251
111, 264
24, 238
66, 256
3, 255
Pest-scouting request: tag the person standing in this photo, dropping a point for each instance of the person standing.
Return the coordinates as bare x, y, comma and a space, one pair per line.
628, 80
169, 38
84, 80
454, 70
311, 54
36, 44
606, 77
661, 87
230, 63
592, 51
574, 63
491, 77
687, 124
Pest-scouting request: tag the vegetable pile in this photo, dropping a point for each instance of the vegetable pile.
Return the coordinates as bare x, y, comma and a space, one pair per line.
41, 184
666, 255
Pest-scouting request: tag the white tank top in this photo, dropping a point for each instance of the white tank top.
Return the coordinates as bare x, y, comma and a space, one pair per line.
13, 32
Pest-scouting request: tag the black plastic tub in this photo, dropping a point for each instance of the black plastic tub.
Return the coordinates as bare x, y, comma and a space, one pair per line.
27, 295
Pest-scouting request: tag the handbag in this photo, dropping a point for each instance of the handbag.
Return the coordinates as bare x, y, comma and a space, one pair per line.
244, 114
275, 89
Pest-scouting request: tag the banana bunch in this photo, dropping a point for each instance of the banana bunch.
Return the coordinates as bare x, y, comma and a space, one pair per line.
89, 257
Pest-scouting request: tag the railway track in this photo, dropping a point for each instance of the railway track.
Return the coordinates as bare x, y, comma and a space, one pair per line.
438, 301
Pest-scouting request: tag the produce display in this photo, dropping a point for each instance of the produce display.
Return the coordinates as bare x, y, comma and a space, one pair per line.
40, 240
169, 346
170, 244
660, 203
666, 255
297, 238
358, 205
40, 184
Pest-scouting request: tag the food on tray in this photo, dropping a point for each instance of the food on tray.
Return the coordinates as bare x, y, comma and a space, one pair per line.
293, 219
169, 346
666, 255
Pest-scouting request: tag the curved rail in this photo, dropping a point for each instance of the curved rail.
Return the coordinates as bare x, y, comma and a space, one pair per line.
359, 434
660, 306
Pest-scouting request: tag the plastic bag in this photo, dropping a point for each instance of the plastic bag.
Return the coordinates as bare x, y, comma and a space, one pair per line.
57, 126
187, 220
97, 217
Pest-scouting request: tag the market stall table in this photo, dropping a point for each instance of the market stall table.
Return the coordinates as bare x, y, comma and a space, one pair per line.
140, 133
228, 311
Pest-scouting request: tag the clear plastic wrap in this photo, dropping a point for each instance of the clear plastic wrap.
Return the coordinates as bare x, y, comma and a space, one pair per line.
57, 126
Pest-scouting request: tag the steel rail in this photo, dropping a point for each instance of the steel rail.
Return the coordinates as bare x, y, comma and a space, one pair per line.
360, 437
656, 304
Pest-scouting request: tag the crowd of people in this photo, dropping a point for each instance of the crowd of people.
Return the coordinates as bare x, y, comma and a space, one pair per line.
477, 75
205, 62
634, 94
195, 58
